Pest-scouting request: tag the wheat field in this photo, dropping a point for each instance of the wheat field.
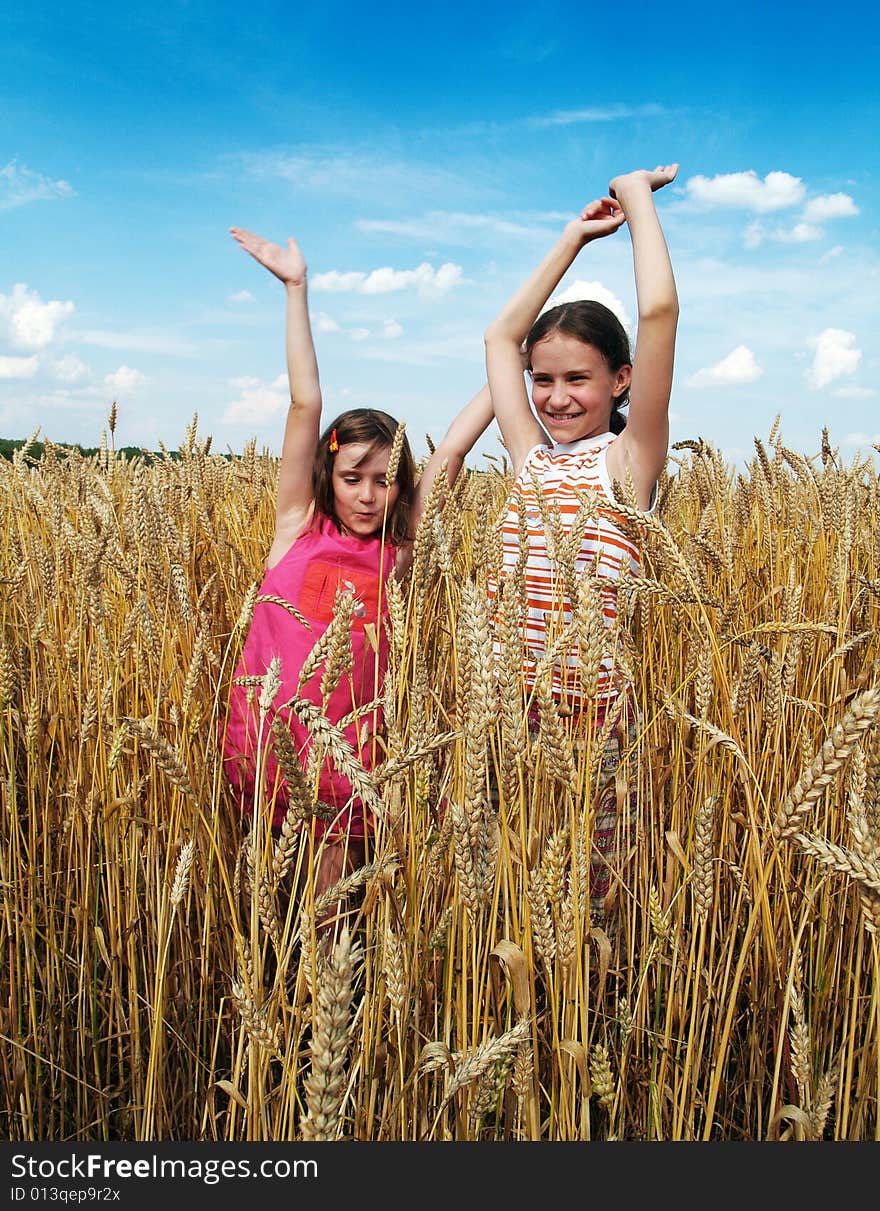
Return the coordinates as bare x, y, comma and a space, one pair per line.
160, 981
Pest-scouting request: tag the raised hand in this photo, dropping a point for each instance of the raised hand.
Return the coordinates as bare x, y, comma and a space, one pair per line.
288, 264
656, 178
598, 218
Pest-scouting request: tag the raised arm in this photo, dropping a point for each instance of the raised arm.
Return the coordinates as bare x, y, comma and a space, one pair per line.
458, 441
643, 446
504, 337
302, 428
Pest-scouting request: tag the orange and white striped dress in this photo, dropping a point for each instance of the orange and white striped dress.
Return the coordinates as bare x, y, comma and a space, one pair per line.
606, 552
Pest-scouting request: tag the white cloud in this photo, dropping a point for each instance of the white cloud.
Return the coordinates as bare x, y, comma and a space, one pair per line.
830, 254
359, 334
450, 226
18, 367
807, 229
335, 282
125, 379
324, 323
70, 368
856, 393
829, 206
335, 171
746, 191
241, 296
392, 330
257, 401
32, 323
20, 185
860, 439
424, 278
137, 341
835, 357
590, 290
447, 276
607, 113
754, 234
738, 367
800, 233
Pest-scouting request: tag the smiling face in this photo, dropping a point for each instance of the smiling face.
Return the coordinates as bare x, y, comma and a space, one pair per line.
360, 490
573, 388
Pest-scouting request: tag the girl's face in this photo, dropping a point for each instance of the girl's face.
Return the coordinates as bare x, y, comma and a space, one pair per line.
361, 496
573, 388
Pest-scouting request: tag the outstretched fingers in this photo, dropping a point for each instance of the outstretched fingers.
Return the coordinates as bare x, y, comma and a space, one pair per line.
288, 263
248, 240
261, 250
654, 179
662, 175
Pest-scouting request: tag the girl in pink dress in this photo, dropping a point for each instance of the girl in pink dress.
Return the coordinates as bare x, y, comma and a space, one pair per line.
341, 528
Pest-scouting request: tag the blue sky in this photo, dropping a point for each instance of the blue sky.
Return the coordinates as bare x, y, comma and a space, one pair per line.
426, 156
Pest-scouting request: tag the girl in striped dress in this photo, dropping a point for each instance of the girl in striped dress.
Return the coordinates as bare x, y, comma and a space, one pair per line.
564, 548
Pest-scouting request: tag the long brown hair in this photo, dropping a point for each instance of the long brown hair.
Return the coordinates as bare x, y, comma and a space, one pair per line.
376, 429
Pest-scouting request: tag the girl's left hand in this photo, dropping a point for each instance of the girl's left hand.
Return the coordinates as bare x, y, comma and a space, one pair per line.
655, 178
599, 218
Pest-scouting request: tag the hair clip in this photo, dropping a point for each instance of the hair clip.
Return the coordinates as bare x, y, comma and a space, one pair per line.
333, 444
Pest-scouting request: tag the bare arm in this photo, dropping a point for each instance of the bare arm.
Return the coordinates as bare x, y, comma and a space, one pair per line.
470, 424
504, 337
643, 446
302, 428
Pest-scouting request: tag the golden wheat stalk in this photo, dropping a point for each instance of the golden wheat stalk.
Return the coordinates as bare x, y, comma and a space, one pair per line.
846, 861
865, 843
254, 1018
464, 858
328, 1046
799, 1039
541, 917
554, 744
394, 456
342, 889
470, 1068
860, 715
591, 633
332, 640
270, 684
824, 1099
182, 872
716, 736
602, 1079
337, 746
162, 752
395, 970
389, 770
704, 856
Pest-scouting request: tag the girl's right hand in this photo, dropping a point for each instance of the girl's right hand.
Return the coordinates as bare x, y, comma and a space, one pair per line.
597, 219
288, 264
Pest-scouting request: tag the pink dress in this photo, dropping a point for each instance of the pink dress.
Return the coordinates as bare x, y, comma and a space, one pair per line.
320, 562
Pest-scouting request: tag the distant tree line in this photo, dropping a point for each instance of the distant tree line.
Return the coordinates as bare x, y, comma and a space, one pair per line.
37, 449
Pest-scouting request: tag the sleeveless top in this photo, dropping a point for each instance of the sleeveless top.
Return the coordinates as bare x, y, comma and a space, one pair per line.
606, 552
319, 562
